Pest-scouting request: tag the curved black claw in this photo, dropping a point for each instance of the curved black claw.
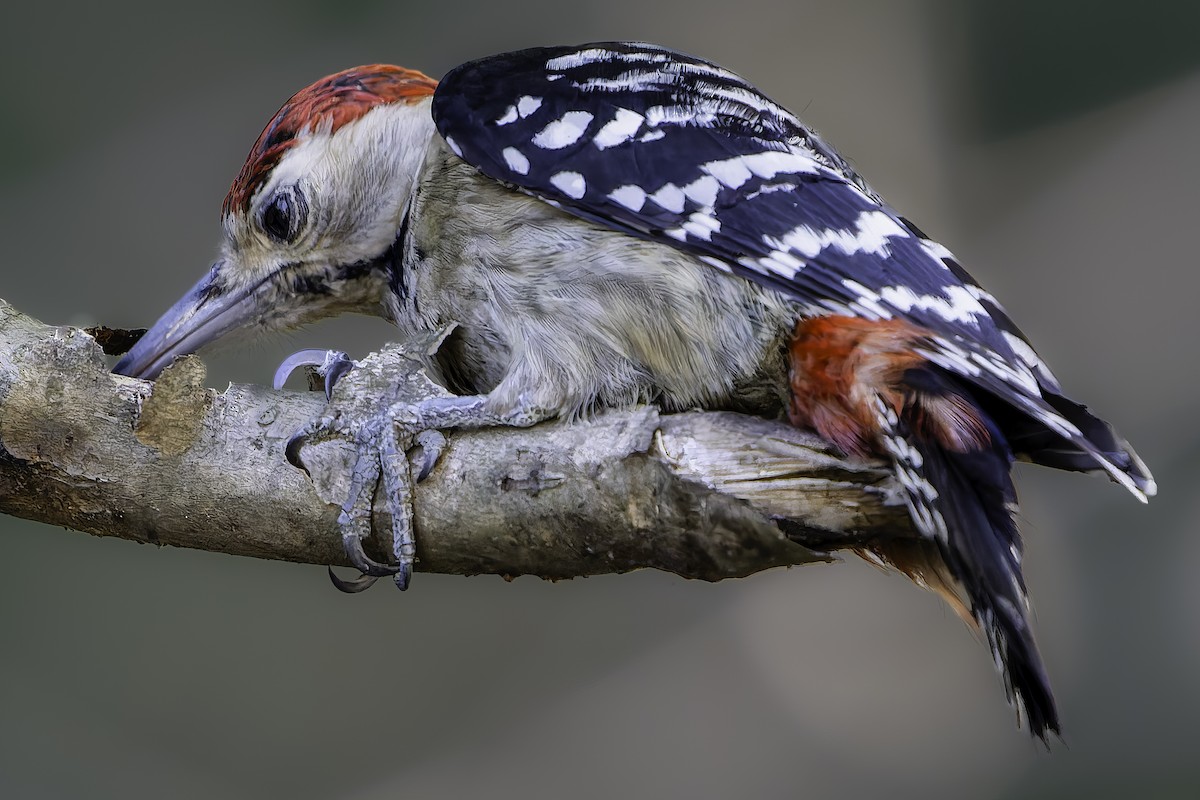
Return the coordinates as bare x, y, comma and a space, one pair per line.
353, 585
334, 372
432, 443
302, 358
365, 564
291, 451
402, 577
329, 364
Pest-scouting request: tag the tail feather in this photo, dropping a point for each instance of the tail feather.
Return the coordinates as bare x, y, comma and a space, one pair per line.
1098, 448
1109, 446
983, 547
952, 419
963, 500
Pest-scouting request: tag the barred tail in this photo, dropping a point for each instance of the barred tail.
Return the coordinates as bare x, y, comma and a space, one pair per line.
955, 466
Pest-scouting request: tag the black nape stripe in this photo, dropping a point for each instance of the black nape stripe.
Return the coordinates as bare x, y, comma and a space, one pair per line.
392, 261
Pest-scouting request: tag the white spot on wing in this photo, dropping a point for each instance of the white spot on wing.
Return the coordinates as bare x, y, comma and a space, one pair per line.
707, 220
782, 263
950, 356
703, 191
771, 188
619, 130
874, 229
679, 115
527, 105
581, 57
571, 184
981, 294
509, 116
870, 235
956, 305
701, 226
771, 163
563, 132
516, 160
866, 301
731, 171
1022, 348
1010, 373
938, 251
735, 171
630, 196
672, 67
669, 197
1024, 386
453, 145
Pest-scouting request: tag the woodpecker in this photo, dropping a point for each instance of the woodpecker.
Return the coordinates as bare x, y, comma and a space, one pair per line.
617, 223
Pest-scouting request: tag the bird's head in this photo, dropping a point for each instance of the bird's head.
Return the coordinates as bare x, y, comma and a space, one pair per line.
311, 219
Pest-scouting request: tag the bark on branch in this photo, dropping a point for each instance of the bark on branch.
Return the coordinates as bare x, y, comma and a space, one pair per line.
704, 495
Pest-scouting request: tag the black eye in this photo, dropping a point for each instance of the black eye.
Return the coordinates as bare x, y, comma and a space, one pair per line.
284, 216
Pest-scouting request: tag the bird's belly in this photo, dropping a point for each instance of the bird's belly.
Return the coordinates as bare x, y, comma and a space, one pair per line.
574, 315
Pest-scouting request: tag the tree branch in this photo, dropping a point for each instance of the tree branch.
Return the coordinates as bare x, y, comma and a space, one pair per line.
705, 495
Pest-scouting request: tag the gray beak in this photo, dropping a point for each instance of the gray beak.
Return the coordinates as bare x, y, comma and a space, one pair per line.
207, 312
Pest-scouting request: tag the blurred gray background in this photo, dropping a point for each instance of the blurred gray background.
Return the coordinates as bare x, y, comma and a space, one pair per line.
1052, 146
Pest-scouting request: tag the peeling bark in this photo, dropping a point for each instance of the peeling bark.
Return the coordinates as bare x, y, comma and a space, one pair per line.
703, 494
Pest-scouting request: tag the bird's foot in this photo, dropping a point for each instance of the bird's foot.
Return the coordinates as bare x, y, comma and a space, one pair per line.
388, 408
381, 441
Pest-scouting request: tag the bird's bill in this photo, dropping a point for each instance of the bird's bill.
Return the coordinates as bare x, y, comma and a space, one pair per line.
207, 312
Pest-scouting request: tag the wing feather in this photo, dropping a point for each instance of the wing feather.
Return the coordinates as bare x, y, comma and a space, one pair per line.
672, 148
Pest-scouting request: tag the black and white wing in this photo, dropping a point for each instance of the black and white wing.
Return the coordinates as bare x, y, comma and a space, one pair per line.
675, 149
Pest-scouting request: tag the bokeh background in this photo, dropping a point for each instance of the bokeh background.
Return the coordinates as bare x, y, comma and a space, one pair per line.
1051, 145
